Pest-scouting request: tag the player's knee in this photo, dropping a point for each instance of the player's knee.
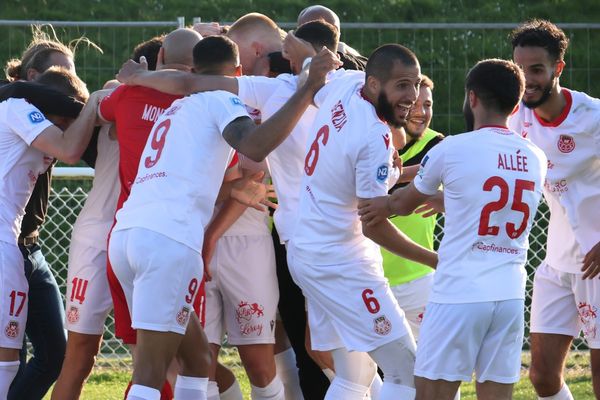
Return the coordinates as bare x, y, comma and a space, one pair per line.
260, 372
397, 360
195, 363
543, 379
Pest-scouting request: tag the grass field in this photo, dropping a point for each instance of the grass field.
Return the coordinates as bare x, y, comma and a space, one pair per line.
108, 383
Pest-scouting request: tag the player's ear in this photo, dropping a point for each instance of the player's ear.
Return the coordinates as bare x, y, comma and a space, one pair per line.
473, 100
558, 68
373, 84
238, 70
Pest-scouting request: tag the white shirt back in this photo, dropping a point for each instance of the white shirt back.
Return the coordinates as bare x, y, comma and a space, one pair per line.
20, 164
349, 157
572, 187
182, 168
492, 182
98, 214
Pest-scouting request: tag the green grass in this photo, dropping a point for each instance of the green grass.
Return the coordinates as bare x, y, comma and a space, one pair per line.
108, 382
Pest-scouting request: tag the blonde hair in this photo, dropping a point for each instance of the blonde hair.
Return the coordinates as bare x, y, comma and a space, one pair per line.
39, 50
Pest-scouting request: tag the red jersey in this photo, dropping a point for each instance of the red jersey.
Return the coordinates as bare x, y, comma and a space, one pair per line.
133, 109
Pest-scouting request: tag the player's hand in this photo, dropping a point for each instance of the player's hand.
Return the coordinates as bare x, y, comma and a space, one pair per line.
209, 28
375, 210
130, 68
208, 250
434, 205
591, 263
296, 50
250, 191
320, 65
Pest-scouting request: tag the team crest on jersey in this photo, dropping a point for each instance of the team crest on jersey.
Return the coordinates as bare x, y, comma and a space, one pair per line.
382, 172
12, 329
382, 325
587, 315
36, 117
73, 315
183, 315
566, 143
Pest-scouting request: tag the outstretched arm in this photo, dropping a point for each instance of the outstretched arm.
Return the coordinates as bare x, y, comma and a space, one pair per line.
257, 141
402, 202
172, 81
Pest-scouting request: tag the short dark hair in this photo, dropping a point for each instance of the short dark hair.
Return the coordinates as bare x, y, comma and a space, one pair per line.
541, 33
319, 33
148, 49
64, 81
383, 58
212, 52
499, 84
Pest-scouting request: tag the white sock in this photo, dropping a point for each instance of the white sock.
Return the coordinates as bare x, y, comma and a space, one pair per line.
8, 371
212, 392
563, 394
190, 388
287, 370
375, 389
233, 392
329, 374
273, 391
457, 395
393, 391
140, 392
343, 389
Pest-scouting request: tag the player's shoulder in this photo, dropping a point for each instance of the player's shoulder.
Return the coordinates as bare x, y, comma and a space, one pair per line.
584, 105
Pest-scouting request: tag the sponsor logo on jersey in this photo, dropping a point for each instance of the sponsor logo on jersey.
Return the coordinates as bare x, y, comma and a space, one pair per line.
386, 140
247, 316
12, 329
558, 187
424, 161
524, 134
566, 143
382, 172
527, 124
36, 117
338, 116
236, 101
492, 247
382, 325
587, 315
173, 109
73, 315
183, 315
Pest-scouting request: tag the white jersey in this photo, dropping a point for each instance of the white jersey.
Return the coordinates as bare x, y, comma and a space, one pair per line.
98, 214
349, 157
20, 164
572, 187
182, 168
286, 162
492, 182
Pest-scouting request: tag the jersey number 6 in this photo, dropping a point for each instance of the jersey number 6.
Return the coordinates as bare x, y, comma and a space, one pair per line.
517, 205
312, 156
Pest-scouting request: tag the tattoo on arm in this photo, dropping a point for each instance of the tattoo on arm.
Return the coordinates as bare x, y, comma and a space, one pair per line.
237, 130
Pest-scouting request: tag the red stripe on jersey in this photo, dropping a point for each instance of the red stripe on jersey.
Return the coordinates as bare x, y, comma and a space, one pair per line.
563, 115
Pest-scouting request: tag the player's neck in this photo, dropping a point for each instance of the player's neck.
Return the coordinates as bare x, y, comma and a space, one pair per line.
554, 106
492, 120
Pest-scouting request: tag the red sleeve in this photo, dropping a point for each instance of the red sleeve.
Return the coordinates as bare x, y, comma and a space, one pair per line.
234, 160
108, 105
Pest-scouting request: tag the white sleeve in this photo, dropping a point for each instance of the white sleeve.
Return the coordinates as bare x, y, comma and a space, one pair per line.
26, 120
256, 90
430, 175
374, 164
226, 107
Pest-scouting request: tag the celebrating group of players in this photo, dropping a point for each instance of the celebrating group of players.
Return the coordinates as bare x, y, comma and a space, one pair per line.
175, 233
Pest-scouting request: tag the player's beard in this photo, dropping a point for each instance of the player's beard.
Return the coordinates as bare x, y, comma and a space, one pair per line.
385, 109
546, 92
469, 117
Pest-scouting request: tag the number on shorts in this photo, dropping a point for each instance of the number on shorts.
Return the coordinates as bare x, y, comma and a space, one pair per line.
193, 286
517, 205
159, 135
312, 157
13, 302
78, 290
370, 301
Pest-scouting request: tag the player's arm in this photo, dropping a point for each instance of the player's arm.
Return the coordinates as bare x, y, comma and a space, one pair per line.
173, 81
69, 145
389, 237
403, 201
256, 142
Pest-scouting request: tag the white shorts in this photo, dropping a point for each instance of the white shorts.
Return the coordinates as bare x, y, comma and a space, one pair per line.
14, 290
457, 339
412, 298
160, 278
565, 304
241, 298
348, 305
88, 295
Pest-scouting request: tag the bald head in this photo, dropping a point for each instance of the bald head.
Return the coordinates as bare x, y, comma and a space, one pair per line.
317, 12
178, 46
